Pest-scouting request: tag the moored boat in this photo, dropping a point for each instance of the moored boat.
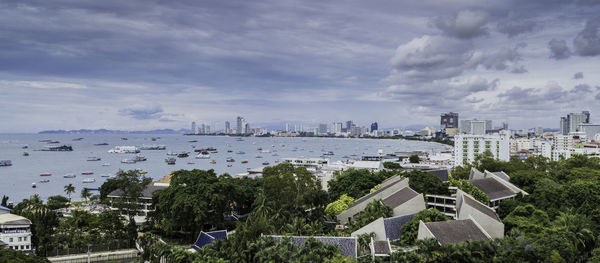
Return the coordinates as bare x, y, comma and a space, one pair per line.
230, 160
245, 161
5, 163
93, 159
106, 164
62, 148
44, 181
25, 154
170, 160
33, 185
213, 161
87, 173
89, 180
183, 155
45, 174
69, 175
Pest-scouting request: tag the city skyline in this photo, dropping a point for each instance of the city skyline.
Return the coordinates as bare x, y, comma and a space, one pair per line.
138, 66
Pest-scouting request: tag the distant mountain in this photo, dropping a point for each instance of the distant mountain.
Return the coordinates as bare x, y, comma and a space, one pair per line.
105, 131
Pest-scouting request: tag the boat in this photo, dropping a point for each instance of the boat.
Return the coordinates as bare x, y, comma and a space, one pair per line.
100, 144
245, 161
124, 139
183, 155
139, 158
140, 171
265, 163
230, 160
229, 151
171, 154
25, 154
191, 163
33, 185
62, 148
106, 164
212, 161
69, 175
106, 175
276, 161
153, 147
44, 181
258, 156
239, 140
240, 152
5, 163
124, 149
89, 180
203, 155
93, 159
259, 149
170, 160
45, 174
78, 139
87, 173
155, 138
328, 153
24, 147
275, 154
45, 140
53, 142
128, 161
193, 141
209, 149
265, 151
229, 165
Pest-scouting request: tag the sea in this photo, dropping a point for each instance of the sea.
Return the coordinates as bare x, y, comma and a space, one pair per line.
16, 180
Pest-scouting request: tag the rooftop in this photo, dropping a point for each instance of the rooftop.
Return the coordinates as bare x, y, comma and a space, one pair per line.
382, 247
399, 197
492, 188
393, 225
347, 245
442, 174
387, 183
10, 219
454, 231
205, 238
481, 207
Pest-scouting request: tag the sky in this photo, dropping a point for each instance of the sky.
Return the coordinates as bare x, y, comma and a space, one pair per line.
139, 65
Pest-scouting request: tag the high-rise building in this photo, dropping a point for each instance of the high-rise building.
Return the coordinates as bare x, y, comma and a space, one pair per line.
227, 127
246, 128
297, 128
478, 127
590, 130
449, 120
374, 126
337, 127
287, 127
571, 122
193, 127
564, 126
239, 127
349, 126
481, 126
322, 128
539, 131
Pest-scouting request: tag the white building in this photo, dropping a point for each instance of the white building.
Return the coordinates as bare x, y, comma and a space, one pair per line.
477, 127
468, 146
590, 130
15, 230
534, 146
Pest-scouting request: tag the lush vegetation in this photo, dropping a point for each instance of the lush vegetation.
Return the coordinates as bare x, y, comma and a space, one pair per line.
13, 256
411, 229
424, 182
414, 158
338, 206
373, 211
355, 183
470, 189
392, 165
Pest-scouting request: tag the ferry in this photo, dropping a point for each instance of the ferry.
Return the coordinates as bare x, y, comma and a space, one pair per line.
45, 174
170, 160
5, 163
62, 148
87, 173
69, 175
153, 147
124, 149
89, 180
93, 159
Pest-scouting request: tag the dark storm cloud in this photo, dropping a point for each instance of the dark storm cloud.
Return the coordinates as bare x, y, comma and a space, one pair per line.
464, 24
559, 49
587, 42
578, 75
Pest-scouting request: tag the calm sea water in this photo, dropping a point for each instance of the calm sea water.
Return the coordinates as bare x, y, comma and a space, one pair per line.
16, 180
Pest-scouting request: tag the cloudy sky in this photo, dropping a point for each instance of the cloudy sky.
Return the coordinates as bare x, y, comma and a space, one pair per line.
70, 64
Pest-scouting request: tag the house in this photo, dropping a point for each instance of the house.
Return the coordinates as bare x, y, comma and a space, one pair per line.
385, 228
205, 238
15, 230
144, 201
495, 185
393, 192
348, 245
453, 231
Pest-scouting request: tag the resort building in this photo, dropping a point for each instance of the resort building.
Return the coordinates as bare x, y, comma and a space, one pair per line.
15, 231
496, 186
469, 146
143, 202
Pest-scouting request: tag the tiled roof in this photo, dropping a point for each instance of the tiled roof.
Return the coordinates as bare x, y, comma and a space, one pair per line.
503, 176
374, 193
393, 225
454, 231
481, 207
492, 188
399, 197
381, 247
205, 238
146, 193
441, 174
347, 245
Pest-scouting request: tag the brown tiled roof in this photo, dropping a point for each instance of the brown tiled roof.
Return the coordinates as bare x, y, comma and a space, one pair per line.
455, 231
399, 197
492, 188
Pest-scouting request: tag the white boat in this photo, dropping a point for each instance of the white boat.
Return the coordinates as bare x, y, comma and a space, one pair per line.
89, 180
44, 181
69, 175
127, 161
106, 164
203, 155
172, 154
93, 159
124, 149
33, 185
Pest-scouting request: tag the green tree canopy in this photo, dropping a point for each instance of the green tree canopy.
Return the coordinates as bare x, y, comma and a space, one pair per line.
424, 182
354, 183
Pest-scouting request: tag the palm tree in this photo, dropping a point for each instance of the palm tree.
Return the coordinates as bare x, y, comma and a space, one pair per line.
69, 189
85, 193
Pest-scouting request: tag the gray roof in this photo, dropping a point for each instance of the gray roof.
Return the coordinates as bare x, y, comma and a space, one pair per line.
399, 197
481, 207
441, 174
393, 225
382, 247
503, 176
374, 193
492, 188
146, 193
347, 245
454, 231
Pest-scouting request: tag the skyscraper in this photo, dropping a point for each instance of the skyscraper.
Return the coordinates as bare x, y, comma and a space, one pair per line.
239, 126
227, 127
449, 120
564, 126
374, 126
322, 128
572, 121
287, 127
348, 126
193, 127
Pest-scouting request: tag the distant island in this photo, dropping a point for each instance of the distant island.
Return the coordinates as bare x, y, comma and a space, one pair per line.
105, 131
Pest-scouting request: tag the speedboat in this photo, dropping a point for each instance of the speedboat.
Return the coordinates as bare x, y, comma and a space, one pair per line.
25, 147
183, 155
171, 154
229, 165
106, 164
127, 161
33, 185
44, 181
139, 158
45, 174
265, 163
69, 175
105, 175
89, 180
203, 155
240, 152
25, 154
93, 159
5, 163
193, 141
230, 160
229, 151
213, 161
170, 160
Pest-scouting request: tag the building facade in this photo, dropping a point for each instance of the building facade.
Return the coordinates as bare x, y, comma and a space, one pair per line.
449, 120
15, 231
469, 146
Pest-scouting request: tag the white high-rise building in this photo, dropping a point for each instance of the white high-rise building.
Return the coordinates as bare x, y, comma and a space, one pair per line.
468, 146
475, 126
287, 127
239, 126
590, 130
322, 128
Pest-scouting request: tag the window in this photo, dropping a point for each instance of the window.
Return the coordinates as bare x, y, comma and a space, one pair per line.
20, 239
10, 239
22, 247
27, 247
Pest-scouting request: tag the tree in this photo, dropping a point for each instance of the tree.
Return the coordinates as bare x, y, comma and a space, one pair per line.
85, 194
69, 189
373, 211
339, 206
470, 189
4, 201
414, 158
131, 184
8, 255
411, 229
392, 165
354, 183
57, 202
424, 182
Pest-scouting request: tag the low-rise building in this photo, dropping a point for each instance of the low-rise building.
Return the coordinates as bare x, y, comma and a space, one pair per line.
496, 186
15, 230
144, 201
